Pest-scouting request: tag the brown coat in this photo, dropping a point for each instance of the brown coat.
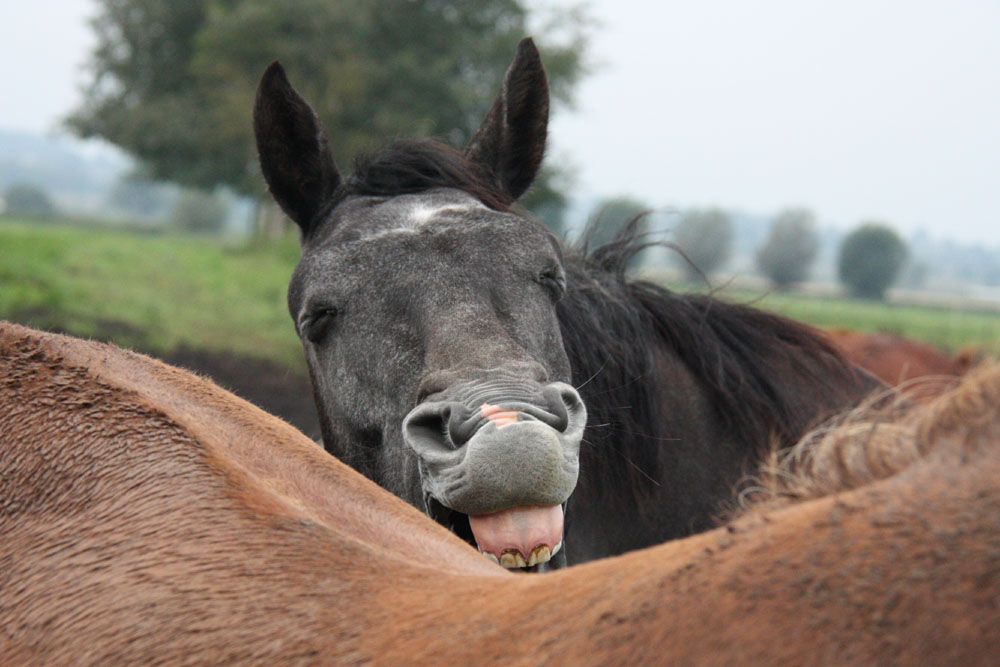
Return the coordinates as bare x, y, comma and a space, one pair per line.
148, 515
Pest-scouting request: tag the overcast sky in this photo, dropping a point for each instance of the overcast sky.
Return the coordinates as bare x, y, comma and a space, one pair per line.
858, 109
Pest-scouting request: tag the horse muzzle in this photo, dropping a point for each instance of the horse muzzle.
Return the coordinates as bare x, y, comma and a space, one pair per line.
507, 455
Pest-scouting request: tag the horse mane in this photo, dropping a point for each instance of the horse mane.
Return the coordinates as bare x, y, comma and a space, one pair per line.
882, 437
607, 316
408, 166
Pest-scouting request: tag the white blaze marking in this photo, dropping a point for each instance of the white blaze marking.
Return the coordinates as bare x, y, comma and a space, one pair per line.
421, 214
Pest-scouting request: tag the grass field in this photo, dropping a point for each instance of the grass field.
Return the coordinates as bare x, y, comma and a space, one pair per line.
949, 328
151, 292
160, 292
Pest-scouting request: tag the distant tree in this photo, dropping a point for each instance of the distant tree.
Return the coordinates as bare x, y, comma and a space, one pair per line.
871, 257
28, 200
199, 211
173, 82
705, 237
790, 249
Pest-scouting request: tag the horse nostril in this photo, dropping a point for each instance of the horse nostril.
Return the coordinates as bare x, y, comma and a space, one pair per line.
442, 426
563, 402
570, 398
426, 428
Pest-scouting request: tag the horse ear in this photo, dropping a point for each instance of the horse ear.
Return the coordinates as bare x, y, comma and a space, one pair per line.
294, 153
511, 141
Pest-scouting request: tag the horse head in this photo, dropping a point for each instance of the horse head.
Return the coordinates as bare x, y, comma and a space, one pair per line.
427, 310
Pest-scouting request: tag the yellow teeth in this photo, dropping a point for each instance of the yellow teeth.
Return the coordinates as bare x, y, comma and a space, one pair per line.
539, 554
512, 558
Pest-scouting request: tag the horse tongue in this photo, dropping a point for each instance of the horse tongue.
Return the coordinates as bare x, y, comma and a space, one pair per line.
520, 529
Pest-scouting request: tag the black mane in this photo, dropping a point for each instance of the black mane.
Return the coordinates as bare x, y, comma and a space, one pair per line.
611, 325
408, 166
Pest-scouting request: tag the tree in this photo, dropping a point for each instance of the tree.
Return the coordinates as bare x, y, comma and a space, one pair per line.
870, 260
173, 82
790, 249
28, 200
705, 237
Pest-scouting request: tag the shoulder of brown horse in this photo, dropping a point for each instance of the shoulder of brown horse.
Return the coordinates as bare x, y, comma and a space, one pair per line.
189, 525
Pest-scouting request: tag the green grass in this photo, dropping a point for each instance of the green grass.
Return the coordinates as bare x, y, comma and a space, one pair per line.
946, 327
158, 292
152, 292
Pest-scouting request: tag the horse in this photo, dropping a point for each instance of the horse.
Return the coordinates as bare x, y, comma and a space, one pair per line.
896, 360
517, 390
148, 516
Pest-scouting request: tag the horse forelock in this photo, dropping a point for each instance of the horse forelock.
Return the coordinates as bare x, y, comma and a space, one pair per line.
410, 166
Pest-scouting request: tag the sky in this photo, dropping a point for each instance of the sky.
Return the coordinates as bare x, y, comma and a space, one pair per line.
857, 109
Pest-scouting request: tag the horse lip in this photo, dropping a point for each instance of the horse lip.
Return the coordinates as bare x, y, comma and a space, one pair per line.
521, 536
458, 524
461, 423
525, 412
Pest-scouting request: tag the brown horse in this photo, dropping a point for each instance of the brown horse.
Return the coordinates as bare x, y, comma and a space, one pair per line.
147, 515
896, 360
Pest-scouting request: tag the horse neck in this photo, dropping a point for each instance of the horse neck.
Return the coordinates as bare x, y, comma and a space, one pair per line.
654, 366
213, 432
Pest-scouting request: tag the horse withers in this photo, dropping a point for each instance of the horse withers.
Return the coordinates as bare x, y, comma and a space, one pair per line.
148, 516
453, 345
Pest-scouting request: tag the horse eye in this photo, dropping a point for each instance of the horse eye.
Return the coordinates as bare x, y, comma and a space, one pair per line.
554, 280
317, 323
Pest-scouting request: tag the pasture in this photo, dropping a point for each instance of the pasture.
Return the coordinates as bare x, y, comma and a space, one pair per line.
154, 293
948, 327
160, 292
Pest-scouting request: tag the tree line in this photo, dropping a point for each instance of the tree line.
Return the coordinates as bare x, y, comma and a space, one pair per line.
172, 84
870, 257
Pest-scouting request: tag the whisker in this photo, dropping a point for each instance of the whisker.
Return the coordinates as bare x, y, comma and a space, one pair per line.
596, 373
641, 471
645, 435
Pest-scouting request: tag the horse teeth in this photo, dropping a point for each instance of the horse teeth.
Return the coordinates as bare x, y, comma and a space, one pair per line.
490, 556
556, 548
512, 558
539, 554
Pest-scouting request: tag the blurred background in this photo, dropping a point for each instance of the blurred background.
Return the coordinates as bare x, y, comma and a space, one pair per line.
835, 162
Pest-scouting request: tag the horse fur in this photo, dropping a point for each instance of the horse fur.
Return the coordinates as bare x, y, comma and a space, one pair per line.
146, 515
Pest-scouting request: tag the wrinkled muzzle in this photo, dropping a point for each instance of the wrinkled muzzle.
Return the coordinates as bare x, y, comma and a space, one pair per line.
507, 455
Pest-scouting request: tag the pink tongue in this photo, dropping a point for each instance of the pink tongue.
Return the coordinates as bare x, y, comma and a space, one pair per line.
521, 528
